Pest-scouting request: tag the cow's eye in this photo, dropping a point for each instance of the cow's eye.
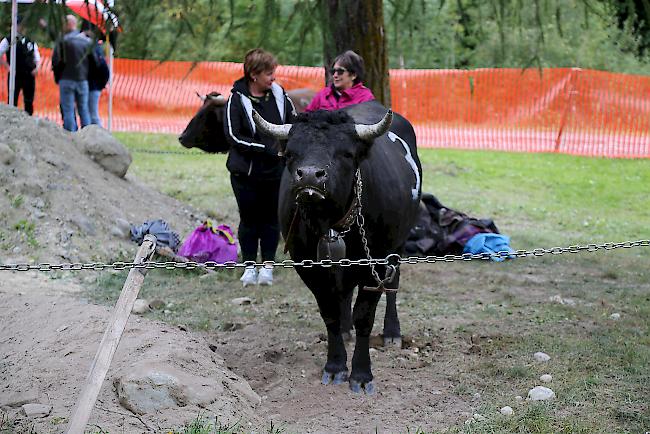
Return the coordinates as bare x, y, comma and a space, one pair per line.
348, 155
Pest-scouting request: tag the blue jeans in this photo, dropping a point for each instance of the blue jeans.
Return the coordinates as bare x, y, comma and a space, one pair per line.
93, 107
69, 92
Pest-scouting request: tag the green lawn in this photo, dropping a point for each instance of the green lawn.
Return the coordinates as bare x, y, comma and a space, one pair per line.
539, 200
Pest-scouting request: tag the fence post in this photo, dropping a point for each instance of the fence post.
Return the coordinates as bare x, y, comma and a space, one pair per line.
111, 339
568, 108
12, 54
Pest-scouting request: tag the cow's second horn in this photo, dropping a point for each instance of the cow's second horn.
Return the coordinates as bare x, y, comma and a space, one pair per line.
280, 132
370, 132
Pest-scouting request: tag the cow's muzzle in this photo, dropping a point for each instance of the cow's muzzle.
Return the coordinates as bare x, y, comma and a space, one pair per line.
309, 183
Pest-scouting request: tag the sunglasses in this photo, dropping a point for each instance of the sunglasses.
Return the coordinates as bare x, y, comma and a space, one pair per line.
339, 71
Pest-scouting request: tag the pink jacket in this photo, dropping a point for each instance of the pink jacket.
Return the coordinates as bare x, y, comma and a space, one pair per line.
325, 99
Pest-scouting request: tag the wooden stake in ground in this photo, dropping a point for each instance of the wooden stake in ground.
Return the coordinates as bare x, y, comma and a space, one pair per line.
111, 339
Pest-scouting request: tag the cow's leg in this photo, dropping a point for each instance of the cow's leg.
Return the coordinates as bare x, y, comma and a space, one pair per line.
335, 370
329, 305
364, 317
346, 316
392, 333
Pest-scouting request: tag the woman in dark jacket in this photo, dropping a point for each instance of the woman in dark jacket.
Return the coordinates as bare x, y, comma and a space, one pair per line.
253, 162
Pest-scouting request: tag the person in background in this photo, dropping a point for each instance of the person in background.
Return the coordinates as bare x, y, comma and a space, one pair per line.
51, 31
347, 85
98, 72
70, 64
253, 162
28, 60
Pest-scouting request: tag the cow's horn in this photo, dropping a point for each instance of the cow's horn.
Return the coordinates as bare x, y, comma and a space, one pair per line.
370, 132
280, 132
201, 97
217, 98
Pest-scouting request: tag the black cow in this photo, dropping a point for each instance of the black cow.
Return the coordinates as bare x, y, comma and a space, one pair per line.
205, 129
332, 159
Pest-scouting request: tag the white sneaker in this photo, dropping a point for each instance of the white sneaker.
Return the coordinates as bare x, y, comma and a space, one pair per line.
265, 277
249, 277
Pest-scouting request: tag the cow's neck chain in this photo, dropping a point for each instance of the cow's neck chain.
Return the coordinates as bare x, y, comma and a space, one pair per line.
343, 226
390, 269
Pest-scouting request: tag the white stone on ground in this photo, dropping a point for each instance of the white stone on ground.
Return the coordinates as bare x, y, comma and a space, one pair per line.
615, 316
507, 411
563, 301
541, 357
546, 378
140, 306
519, 398
241, 300
36, 410
540, 393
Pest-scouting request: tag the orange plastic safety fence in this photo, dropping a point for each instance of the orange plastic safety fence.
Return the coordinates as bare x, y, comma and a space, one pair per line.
572, 111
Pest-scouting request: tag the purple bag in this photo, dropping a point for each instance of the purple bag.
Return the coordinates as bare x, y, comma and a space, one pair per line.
207, 243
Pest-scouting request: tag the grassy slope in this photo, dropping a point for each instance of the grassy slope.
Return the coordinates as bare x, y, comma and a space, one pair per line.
599, 365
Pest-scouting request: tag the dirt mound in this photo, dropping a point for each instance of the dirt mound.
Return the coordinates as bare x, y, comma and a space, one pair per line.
49, 340
58, 205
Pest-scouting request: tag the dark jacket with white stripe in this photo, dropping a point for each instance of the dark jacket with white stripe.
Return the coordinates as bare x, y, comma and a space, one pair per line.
251, 153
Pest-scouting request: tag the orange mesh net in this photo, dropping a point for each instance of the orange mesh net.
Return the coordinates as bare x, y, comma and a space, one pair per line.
573, 111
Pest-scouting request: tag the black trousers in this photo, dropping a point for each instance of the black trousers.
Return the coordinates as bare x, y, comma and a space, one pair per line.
26, 83
258, 216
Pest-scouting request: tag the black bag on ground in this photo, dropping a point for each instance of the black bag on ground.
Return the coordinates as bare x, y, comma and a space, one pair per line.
443, 231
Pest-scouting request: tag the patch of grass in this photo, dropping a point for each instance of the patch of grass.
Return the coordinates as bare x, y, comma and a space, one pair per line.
540, 200
532, 418
27, 228
543, 199
199, 180
15, 426
17, 201
201, 425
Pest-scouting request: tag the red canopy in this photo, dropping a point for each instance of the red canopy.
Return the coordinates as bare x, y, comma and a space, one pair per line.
95, 11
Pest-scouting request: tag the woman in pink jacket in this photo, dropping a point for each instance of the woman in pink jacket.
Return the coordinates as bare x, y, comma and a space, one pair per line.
347, 85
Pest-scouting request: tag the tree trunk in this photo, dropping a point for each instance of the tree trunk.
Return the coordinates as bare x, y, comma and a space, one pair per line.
358, 25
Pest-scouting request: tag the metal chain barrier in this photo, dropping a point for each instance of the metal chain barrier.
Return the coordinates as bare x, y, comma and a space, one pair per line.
288, 263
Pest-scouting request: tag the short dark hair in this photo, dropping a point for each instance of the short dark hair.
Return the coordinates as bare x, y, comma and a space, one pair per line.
353, 63
257, 61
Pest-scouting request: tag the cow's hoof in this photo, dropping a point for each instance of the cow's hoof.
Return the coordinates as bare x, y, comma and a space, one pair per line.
334, 378
393, 342
357, 387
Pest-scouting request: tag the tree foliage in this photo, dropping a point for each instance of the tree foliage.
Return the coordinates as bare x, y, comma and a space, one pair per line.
600, 34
